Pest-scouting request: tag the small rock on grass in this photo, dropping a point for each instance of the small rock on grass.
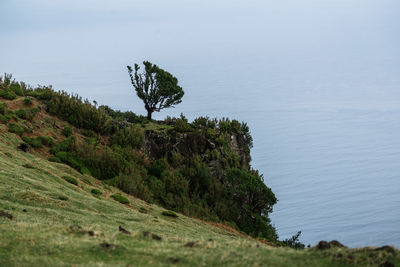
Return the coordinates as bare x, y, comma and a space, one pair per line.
386, 264
154, 236
6, 215
388, 249
108, 246
190, 244
123, 230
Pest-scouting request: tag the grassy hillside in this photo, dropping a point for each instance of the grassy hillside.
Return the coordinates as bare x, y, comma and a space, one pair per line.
57, 223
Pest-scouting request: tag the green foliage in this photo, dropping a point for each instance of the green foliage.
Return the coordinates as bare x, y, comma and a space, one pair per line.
16, 88
3, 108
78, 112
89, 133
294, 241
182, 125
66, 145
252, 201
16, 128
85, 170
112, 182
7, 94
157, 88
96, 192
169, 213
27, 114
41, 93
28, 101
3, 119
127, 116
67, 131
33, 142
205, 122
70, 180
45, 140
131, 135
120, 198
55, 159
158, 167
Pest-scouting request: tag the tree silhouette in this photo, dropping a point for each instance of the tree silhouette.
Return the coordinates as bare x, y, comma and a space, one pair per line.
157, 88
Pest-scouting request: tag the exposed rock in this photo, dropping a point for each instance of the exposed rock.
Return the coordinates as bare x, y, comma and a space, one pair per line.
156, 237
123, 230
386, 264
327, 245
6, 215
336, 244
24, 147
108, 246
75, 228
153, 236
323, 245
190, 244
173, 260
388, 249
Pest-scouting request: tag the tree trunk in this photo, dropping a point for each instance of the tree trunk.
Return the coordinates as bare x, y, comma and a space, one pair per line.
149, 112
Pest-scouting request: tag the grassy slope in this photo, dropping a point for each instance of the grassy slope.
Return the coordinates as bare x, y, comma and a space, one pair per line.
42, 236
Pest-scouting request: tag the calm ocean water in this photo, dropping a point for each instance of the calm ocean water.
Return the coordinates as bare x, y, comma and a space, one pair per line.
317, 81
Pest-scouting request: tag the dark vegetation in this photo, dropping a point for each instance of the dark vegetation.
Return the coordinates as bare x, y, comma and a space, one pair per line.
120, 198
169, 213
201, 169
70, 180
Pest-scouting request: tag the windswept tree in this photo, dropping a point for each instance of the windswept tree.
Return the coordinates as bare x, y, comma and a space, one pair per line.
157, 88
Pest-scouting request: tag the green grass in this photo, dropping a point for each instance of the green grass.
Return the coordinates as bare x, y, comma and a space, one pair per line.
59, 224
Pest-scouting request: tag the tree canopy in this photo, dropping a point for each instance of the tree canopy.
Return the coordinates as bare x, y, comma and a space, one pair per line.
157, 88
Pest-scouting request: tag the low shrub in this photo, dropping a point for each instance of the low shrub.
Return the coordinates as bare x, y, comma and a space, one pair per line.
3, 108
70, 180
33, 142
112, 181
7, 94
21, 113
169, 213
96, 192
3, 119
120, 198
67, 131
16, 88
85, 170
55, 159
130, 135
41, 93
45, 140
28, 101
15, 128
27, 114
62, 197
28, 166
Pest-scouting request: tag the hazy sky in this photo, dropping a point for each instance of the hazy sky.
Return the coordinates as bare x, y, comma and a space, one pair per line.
257, 47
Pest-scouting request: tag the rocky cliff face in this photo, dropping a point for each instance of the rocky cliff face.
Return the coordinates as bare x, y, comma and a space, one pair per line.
188, 144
